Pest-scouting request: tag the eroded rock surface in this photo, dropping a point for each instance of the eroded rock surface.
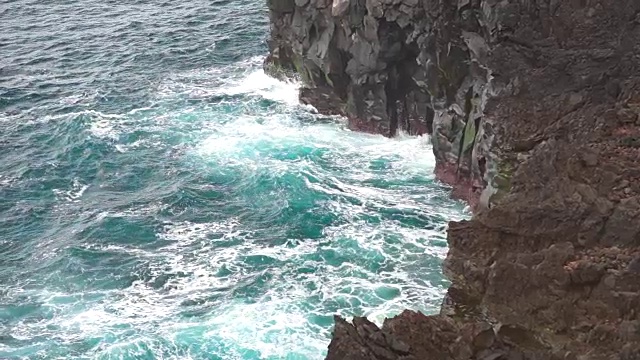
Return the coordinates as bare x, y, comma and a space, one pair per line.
533, 107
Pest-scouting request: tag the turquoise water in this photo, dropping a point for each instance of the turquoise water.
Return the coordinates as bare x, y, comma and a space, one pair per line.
161, 198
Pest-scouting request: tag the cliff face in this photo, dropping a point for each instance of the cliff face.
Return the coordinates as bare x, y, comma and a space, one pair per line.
533, 107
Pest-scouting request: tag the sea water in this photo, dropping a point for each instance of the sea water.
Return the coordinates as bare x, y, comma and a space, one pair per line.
162, 198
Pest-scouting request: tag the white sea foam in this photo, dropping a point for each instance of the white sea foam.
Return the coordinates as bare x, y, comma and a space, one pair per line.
4, 118
259, 83
278, 323
79, 99
220, 284
246, 78
73, 194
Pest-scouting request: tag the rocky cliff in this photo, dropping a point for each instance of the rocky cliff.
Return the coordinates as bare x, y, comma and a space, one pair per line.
533, 108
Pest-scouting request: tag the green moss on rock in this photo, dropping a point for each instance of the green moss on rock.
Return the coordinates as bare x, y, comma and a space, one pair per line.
469, 135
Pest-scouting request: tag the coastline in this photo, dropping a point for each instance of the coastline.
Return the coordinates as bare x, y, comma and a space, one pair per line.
534, 113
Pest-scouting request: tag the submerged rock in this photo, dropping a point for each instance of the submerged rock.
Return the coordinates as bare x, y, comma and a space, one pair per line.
533, 110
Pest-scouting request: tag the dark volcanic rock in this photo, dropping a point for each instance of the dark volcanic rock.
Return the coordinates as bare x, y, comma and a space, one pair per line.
533, 108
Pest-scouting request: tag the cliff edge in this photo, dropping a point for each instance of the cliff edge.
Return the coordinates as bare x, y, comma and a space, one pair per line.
533, 108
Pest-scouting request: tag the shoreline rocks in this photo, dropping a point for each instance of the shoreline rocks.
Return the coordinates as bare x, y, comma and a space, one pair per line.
533, 108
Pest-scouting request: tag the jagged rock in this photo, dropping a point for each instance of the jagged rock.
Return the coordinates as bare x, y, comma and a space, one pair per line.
532, 108
364, 340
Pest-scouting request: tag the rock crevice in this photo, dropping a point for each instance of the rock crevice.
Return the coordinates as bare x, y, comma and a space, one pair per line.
533, 109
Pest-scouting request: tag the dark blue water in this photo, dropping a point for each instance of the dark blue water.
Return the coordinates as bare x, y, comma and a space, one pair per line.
161, 198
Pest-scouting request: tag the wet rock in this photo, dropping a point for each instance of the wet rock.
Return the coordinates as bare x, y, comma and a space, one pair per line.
364, 340
361, 340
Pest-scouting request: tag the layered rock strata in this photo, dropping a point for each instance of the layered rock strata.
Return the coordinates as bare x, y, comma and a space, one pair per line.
533, 108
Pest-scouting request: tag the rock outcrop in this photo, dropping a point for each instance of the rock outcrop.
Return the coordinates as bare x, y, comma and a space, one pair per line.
533, 108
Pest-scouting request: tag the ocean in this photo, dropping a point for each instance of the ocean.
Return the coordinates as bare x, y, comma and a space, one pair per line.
162, 198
